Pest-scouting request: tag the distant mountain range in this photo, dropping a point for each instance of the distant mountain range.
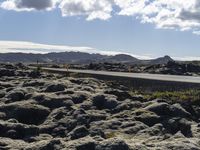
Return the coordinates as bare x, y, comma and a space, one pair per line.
77, 58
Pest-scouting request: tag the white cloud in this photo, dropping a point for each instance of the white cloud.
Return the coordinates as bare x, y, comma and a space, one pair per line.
165, 14
187, 58
93, 9
29, 47
130, 7
196, 32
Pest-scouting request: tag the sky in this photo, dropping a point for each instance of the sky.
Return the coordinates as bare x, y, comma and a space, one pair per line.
143, 28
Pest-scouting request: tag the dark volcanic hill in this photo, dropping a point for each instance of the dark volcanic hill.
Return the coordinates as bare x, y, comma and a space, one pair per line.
74, 57
123, 58
61, 57
162, 60
77, 58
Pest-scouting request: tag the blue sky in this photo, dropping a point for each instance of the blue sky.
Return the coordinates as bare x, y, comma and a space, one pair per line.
122, 33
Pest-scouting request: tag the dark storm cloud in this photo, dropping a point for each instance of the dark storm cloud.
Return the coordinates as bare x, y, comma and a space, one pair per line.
193, 14
35, 4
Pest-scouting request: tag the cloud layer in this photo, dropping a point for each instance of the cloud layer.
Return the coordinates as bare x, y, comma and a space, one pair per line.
165, 14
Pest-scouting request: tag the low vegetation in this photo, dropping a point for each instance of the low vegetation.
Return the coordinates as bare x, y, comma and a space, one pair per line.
184, 95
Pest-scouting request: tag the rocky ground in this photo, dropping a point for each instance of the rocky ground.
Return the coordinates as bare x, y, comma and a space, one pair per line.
41, 111
173, 68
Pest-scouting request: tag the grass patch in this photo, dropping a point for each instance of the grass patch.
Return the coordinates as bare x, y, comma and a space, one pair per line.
38, 69
185, 95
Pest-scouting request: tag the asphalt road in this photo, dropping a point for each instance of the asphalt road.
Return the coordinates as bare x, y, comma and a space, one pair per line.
159, 77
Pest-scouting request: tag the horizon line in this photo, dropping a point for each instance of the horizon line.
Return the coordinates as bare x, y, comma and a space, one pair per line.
28, 47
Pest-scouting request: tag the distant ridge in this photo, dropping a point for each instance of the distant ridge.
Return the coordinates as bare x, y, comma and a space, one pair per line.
123, 58
162, 60
77, 58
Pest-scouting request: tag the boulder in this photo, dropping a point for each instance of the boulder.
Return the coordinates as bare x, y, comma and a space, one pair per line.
79, 132
178, 111
26, 113
16, 96
134, 128
17, 130
55, 88
7, 72
15, 144
156, 130
34, 83
104, 101
78, 98
121, 95
54, 144
2, 94
53, 101
127, 105
159, 108
147, 117
112, 144
6, 84
174, 125
34, 74
95, 131
86, 146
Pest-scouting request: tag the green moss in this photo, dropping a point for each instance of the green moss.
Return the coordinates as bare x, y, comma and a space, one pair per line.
110, 135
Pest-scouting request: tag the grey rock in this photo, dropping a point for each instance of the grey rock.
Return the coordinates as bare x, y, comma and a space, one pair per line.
2, 94
159, 108
34, 74
147, 117
17, 130
78, 98
121, 95
33, 83
86, 146
104, 102
16, 96
54, 101
135, 128
179, 111
55, 88
25, 112
54, 144
178, 124
79, 132
7, 72
112, 144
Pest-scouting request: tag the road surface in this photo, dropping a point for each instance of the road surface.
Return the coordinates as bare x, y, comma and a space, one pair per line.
159, 77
